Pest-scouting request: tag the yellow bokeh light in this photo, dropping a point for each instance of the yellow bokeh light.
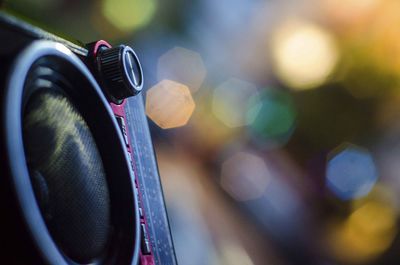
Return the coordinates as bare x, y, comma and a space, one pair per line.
373, 219
304, 54
128, 15
368, 232
169, 104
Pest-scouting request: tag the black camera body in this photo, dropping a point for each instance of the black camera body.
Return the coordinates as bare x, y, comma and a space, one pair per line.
79, 180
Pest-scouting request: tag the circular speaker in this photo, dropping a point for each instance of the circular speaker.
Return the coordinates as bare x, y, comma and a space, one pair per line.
69, 176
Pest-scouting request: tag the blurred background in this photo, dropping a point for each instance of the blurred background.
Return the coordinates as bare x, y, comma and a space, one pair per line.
275, 122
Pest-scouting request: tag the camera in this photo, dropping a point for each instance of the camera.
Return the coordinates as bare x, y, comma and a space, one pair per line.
79, 180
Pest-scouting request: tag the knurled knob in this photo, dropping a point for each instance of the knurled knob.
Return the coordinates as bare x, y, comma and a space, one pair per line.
120, 70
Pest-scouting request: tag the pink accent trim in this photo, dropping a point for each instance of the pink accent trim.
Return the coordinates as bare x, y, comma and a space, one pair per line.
98, 44
120, 111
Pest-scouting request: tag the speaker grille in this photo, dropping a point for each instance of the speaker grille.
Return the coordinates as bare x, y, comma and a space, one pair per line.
67, 173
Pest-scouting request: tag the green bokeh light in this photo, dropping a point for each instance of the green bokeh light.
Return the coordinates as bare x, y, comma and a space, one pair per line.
128, 15
273, 117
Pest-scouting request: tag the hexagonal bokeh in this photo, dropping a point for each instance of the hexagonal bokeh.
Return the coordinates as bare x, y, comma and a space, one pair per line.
272, 117
368, 232
230, 101
169, 104
245, 176
182, 65
351, 172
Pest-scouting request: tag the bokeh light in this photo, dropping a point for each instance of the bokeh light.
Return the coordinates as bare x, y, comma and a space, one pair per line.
244, 176
182, 65
231, 102
365, 234
272, 117
304, 54
129, 15
351, 172
169, 104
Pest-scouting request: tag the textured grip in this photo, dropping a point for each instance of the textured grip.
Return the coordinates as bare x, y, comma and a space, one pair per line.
110, 60
111, 71
120, 70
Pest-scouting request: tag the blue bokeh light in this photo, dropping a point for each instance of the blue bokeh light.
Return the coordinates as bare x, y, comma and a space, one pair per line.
351, 172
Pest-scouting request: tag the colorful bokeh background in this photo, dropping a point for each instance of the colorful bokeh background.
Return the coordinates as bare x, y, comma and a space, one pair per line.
276, 123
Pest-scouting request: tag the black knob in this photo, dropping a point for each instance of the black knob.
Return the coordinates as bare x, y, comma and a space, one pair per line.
119, 69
